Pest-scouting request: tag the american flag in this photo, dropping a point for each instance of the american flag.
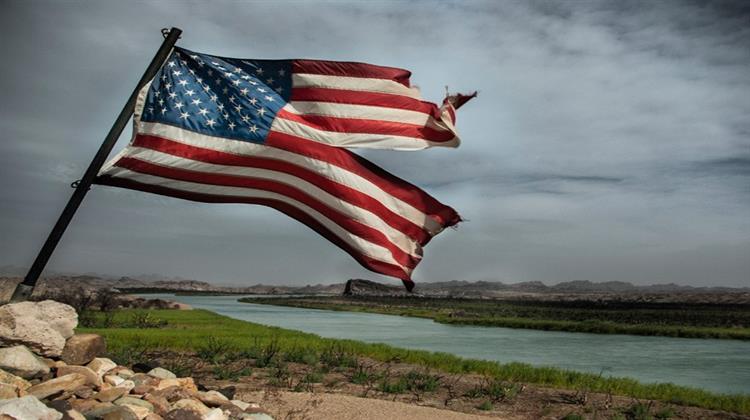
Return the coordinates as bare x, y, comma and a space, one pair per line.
275, 133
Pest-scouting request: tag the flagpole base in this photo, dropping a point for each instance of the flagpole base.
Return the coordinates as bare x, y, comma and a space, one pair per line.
22, 293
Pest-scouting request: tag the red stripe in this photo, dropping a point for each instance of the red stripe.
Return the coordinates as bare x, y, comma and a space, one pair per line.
384, 100
341, 191
291, 211
389, 183
347, 69
353, 226
362, 126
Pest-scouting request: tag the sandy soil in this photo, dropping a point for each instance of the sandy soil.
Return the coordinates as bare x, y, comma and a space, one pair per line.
312, 406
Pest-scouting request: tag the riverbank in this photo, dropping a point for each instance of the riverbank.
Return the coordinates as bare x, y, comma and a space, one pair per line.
688, 320
219, 346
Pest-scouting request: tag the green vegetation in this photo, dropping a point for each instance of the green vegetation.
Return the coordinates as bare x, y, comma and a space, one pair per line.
219, 337
731, 321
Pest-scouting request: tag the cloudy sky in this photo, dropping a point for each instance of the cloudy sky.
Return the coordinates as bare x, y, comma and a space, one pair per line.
610, 141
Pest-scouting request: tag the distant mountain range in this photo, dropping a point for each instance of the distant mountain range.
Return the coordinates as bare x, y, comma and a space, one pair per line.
360, 287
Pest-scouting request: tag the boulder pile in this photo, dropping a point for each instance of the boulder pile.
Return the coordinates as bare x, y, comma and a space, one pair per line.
49, 373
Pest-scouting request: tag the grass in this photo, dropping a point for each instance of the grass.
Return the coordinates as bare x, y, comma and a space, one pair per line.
219, 336
688, 320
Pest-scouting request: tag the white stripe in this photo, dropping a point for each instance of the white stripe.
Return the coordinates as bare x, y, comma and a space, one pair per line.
367, 112
332, 172
360, 84
361, 215
363, 246
364, 140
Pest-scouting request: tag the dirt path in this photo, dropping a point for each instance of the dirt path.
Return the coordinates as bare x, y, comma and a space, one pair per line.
313, 406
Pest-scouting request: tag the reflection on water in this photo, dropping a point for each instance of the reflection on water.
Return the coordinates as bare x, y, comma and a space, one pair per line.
717, 365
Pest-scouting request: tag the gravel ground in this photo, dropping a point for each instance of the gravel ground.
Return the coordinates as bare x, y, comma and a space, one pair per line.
309, 406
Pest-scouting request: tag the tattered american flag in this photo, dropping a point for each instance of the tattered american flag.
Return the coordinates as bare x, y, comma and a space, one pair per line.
275, 133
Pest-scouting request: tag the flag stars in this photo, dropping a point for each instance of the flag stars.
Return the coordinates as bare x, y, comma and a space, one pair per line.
269, 98
253, 128
172, 95
184, 115
210, 122
259, 71
179, 105
282, 72
245, 119
261, 112
232, 125
203, 111
253, 101
171, 64
270, 80
177, 73
196, 102
182, 82
245, 91
189, 92
236, 82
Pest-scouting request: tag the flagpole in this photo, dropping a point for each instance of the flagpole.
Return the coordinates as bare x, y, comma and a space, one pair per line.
26, 287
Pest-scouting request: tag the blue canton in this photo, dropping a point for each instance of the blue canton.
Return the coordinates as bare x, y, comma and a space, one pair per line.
216, 96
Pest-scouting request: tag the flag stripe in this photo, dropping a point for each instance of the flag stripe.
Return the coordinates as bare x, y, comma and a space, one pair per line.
349, 69
296, 175
336, 139
167, 177
366, 126
291, 211
356, 84
352, 111
384, 100
282, 183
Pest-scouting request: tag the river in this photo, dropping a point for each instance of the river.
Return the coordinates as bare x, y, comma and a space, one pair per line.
716, 365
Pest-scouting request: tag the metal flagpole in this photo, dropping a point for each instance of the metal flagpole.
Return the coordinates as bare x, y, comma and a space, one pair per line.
26, 287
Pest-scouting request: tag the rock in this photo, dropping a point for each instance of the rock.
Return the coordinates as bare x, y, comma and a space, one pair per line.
215, 414
259, 416
161, 373
88, 407
42, 326
111, 394
182, 414
83, 348
18, 360
127, 384
83, 392
153, 416
113, 380
241, 404
186, 383
173, 393
191, 404
160, 404
73, 415
91, 377
28, 407
101, 365
135, 401
120, 413
16, 381
139, 411
142, 389
60, 405
8, 391
68, 382
142, 378
229, 391
212, 398
122, 372
232, 410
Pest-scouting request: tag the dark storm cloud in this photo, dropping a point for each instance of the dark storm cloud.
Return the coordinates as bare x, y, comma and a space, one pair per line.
610, 140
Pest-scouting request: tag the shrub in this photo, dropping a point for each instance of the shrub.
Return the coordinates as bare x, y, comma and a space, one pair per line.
485, 406
214, 350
